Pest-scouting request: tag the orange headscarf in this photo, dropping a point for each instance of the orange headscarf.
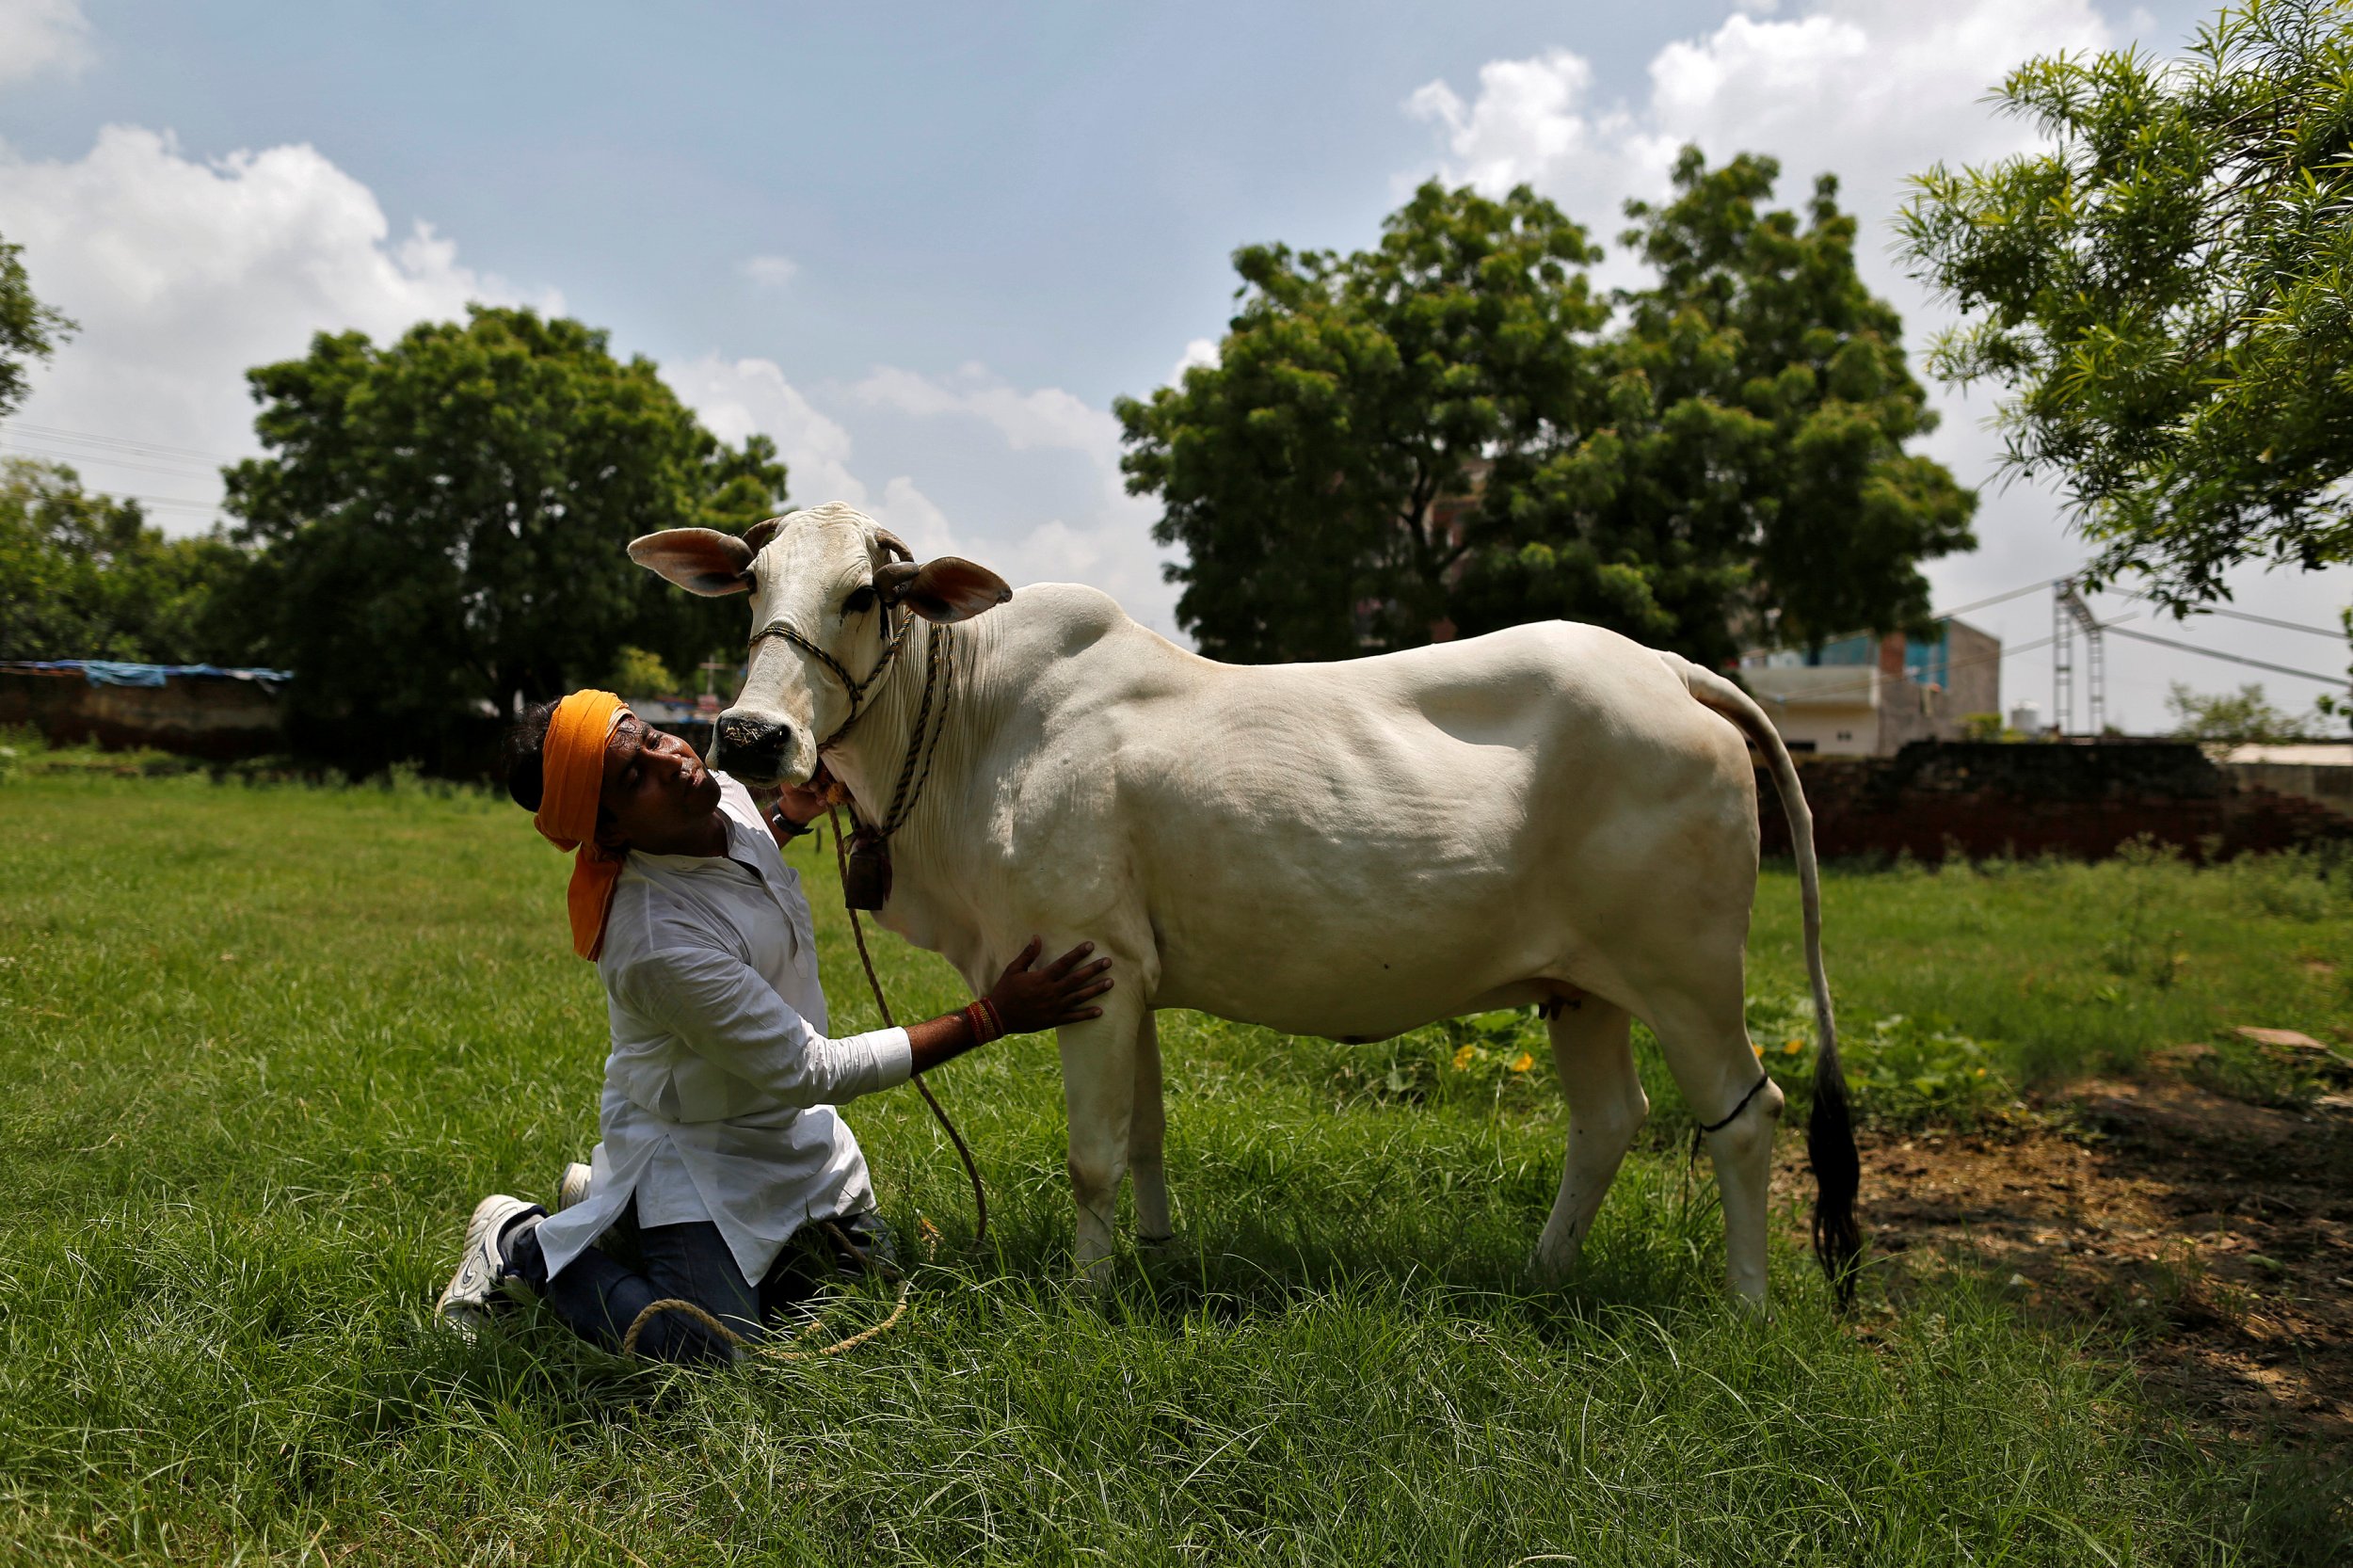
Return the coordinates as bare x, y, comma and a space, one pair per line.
571, 777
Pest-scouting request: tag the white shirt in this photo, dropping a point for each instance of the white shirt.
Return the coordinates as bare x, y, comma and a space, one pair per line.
719, 1094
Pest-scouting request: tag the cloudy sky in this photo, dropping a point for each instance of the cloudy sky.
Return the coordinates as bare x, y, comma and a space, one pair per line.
925, 245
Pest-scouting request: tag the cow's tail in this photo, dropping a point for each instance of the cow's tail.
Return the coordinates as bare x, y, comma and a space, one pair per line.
1829, 1146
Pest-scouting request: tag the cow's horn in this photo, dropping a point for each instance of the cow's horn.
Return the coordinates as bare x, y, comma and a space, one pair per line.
892, 544
758, 534
892, 576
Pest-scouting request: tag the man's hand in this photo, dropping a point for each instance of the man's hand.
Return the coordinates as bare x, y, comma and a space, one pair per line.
1030, 999
788, 808
803, 804
1026, 998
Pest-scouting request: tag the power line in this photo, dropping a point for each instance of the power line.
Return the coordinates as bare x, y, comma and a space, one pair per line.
1997, 598
171, 468
2332, 633
158, 449
2233, 658
180, 502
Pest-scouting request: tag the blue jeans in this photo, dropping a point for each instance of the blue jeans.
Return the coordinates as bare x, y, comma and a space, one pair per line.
598, 1296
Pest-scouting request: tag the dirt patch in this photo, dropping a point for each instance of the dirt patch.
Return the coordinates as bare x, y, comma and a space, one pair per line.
2209, 1239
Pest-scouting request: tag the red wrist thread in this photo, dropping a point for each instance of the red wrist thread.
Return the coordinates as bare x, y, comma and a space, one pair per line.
978, 1019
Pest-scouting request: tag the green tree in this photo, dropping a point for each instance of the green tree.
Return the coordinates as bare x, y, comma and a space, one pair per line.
2162, 293
28, 328
89, 578
2244, 715
639, 673
1314, 472
1743, 475
443, 519
2329, 703
1448, 433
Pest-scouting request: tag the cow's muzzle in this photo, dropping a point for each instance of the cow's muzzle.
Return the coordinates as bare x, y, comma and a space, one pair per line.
752, 747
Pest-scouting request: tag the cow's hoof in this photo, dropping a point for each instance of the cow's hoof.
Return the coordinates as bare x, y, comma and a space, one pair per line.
1554, 1267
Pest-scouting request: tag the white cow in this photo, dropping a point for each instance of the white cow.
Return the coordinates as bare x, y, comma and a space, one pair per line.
1545, 815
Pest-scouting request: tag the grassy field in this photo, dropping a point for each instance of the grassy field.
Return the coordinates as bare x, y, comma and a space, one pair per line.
263, 1048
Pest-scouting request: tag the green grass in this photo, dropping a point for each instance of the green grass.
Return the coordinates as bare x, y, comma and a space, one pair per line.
263, 1048
2067, 968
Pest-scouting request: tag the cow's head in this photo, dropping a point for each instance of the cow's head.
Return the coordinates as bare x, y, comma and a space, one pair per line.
836, 578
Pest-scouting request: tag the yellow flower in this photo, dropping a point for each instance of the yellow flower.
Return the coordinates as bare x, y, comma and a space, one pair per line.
1523, 1062
1980, 1072
1793, 1047
1760, 1049
1464, 1057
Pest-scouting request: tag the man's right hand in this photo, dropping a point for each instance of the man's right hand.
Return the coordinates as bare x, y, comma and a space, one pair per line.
1028, 998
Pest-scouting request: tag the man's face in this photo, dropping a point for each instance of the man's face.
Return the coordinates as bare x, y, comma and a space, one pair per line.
655, 786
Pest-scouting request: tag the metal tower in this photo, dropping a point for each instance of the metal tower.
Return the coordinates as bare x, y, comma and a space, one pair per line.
2069, 615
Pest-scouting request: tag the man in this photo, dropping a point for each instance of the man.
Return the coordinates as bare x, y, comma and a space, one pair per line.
721, 1149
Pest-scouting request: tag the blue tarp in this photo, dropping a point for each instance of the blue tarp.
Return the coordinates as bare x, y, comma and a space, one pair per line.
110, 672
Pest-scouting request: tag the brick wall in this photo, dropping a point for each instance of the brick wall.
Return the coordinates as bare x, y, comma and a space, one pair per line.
2081, 801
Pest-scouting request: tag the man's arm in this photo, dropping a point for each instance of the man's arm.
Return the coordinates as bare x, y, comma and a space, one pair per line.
726, 1013
729, 1014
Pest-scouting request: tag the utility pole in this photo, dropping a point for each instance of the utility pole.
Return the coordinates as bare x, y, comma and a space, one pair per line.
707, 704
2069, 615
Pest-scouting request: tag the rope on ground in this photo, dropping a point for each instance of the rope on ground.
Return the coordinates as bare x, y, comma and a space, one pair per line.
695, 1313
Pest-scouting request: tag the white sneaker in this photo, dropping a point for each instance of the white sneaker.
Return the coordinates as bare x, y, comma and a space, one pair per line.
465, 1305
573, 1189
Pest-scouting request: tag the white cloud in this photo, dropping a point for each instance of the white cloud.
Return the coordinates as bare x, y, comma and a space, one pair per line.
183, 274
1532, 124
918, 521
1104, 540
1874, 90
1101, 536
737, 397
37, 35
770, 272
1047, 418
1200, 351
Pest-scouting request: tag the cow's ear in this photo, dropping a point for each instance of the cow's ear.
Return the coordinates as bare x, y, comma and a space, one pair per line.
950, 588
701, 560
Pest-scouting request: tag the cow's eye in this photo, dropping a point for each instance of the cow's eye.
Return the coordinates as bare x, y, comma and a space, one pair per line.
860, 600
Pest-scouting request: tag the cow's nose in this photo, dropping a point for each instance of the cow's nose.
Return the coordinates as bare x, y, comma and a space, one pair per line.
752, 746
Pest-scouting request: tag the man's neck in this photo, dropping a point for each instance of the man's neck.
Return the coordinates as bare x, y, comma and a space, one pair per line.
707, 838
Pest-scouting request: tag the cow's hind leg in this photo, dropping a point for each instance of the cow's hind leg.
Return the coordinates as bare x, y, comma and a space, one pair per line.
1702, 1032
1146, 1135
1098, 1085
1592, 1049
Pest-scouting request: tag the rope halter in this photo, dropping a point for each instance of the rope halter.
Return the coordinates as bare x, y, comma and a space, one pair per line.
856, 689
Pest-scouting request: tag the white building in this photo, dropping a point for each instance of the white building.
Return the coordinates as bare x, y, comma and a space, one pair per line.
1866, 696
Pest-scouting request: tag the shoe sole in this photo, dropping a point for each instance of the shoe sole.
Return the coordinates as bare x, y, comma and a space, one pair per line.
465, 1302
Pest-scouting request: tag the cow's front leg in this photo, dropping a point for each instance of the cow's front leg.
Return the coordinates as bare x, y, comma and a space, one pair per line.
1098, 1087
